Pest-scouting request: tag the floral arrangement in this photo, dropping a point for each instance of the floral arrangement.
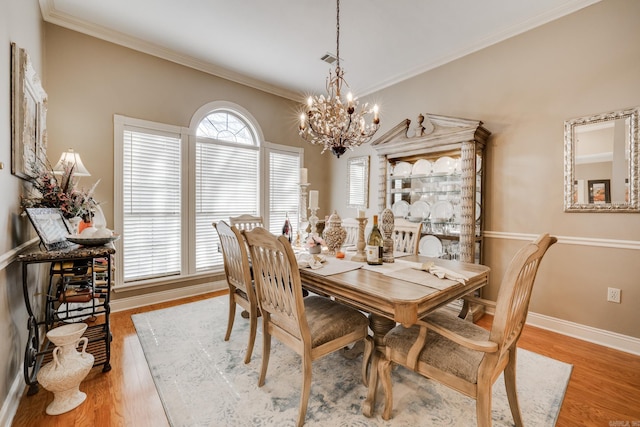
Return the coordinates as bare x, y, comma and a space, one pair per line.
314, 241
49, 190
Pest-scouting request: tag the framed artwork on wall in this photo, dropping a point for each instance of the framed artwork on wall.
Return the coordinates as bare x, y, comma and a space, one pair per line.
28, 117
599, 191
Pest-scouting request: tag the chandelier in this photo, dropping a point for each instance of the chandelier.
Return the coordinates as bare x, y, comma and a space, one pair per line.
330, 122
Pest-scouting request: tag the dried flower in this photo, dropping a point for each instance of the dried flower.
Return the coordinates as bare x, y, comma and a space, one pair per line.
49, 190
314, 241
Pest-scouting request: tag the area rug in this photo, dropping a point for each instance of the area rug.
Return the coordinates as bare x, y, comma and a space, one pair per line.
202, 380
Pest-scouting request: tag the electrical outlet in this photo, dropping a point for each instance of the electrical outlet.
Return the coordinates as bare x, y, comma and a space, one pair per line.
613, 295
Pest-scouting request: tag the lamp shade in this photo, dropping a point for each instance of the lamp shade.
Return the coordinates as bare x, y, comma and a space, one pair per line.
71, 158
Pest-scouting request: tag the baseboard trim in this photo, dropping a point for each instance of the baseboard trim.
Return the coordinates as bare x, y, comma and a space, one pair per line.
586, 333
164, 296
601, 337
12, 401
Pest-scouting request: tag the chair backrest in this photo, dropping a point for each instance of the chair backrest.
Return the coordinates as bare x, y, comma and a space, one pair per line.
277, 279
406, 236
351, 227
512, 304
246, 222
236, 259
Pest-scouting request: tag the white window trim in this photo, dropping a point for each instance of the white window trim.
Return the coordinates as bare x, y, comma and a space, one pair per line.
120, 124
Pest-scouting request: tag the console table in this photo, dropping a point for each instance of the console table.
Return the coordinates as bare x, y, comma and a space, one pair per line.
79, 289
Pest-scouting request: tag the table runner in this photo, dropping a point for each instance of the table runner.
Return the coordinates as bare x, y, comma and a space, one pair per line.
335, 266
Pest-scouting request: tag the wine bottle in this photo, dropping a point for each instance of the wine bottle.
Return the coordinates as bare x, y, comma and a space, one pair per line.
375, 245
286, 228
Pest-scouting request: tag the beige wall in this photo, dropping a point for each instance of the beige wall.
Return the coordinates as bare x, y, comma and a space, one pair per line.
523, 89
20, 22
90, 80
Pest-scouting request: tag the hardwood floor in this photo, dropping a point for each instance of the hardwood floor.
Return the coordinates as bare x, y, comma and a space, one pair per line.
603, 390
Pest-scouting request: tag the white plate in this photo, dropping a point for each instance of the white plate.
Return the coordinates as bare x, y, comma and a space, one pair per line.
421, 167
402, 169
441, 210
457, 165
92, 241
478, 163
419, 209
430, 246
444, 166
400, 209
478, 211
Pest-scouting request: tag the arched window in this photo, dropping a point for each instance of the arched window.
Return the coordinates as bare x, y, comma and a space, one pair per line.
173, 182
224, 125
227, 173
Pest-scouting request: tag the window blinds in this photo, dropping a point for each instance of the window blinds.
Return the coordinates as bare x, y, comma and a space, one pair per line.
151, 204
284, 190
227, 185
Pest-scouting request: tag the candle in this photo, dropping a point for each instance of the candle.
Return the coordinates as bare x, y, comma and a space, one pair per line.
303, 176
302, 121
350, 100
313, 199
376, 119
360, 213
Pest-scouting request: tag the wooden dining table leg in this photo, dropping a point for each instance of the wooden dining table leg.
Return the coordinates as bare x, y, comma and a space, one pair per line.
380, 326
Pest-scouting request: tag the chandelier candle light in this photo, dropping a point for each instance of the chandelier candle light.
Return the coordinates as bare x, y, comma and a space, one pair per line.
330, 122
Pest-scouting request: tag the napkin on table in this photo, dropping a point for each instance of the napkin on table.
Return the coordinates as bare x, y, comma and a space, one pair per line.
439, 272
309, 260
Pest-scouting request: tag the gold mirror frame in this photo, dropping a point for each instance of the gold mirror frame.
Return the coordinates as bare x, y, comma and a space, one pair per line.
358, 182
570, 126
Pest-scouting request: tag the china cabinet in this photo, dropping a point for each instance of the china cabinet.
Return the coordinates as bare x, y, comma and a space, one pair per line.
433, 173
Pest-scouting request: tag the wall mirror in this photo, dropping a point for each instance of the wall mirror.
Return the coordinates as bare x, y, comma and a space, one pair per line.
358, 182
601, 162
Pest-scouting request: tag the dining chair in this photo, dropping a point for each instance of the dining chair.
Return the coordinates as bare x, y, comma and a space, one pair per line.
314, 326
406, 236
238, 274
245, 221
462, 355
351, 226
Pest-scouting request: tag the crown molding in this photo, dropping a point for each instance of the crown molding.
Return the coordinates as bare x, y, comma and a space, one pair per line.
494, 38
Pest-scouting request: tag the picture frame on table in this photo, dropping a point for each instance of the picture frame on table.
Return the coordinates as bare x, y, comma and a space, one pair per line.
28, 117
51, 226
599, 191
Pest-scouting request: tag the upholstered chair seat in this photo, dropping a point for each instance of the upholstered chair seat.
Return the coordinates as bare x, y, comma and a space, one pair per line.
442, 353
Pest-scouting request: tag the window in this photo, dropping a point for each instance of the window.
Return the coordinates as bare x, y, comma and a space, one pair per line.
284, 178
150, 206
227, 179
175, 182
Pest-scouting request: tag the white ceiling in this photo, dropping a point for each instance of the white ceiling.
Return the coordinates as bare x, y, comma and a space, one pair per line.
276, 45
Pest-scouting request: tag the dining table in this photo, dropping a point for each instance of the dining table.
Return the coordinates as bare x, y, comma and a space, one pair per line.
399, 292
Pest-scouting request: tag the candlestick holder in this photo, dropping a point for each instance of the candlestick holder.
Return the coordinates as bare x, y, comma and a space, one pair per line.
313, 221
360, 255
304, 192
